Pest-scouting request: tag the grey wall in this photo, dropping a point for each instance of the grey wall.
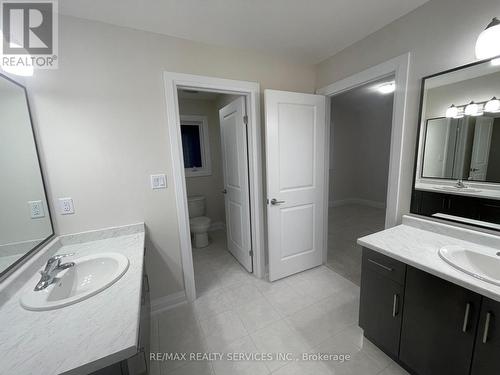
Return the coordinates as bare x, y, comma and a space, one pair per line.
440, 35
103, 129
359, 147
208, 186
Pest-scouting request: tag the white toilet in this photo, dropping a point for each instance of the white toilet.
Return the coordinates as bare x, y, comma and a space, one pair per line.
198, 223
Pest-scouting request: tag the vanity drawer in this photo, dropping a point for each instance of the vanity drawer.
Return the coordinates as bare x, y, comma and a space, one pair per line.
384, 265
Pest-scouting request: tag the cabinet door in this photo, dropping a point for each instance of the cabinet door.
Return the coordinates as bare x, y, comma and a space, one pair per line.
439, 325
486, 355
380, 310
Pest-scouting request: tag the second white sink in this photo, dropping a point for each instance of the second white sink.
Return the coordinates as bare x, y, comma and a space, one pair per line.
90, 275
482, 265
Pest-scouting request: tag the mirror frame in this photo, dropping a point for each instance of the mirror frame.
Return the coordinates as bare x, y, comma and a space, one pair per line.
10, 269
417, 147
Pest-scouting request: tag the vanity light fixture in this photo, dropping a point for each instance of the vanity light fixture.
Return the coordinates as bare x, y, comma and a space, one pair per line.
492, 106
387, 88
473, 109
487, 44
452, 111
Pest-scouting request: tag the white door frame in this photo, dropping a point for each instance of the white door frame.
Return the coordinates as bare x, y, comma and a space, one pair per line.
251, 91
398, 67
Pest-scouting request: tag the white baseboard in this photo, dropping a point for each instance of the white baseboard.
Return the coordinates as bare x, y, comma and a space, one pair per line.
364, 202
219, 225
168, 302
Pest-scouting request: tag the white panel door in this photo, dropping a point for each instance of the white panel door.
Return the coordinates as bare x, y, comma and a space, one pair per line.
295, 157
481, 148
235, 169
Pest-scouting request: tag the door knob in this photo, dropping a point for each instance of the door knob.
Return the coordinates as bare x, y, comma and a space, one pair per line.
276, 202
224, 191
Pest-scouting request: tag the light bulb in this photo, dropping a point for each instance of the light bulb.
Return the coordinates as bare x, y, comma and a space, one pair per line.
452, 111
472, 109
387, 88
487, 44
492, 106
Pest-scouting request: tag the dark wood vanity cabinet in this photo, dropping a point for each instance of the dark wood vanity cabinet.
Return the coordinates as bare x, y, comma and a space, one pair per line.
382, 291
439, 325
428, 325
486, 359
429, 203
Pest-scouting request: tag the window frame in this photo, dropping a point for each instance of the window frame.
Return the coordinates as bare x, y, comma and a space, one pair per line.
206, 160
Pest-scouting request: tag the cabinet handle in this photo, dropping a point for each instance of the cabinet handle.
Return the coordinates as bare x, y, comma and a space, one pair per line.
466, 317
395, 306
380, 265
486, 328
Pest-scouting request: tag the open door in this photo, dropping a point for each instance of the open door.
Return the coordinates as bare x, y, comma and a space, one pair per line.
236, 189
481, 148
295, 159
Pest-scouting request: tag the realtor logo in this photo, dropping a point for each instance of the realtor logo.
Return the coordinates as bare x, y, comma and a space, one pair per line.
29, 33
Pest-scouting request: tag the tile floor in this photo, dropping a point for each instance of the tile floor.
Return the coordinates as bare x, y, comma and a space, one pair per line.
315, 311
345, 225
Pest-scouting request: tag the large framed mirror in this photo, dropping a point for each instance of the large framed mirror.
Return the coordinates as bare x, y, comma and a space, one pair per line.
25, 218
457, 168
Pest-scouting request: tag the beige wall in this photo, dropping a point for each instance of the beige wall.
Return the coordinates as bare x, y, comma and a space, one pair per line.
102, 125
440, 35
208, 186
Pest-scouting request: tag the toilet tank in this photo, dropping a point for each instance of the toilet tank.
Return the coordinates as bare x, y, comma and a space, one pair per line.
196, 205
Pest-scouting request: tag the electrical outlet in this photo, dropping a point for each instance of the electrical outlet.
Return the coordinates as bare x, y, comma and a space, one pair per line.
158, 181
66, 206
36, 209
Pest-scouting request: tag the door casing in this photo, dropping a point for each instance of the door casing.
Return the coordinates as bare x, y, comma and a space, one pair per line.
251, 91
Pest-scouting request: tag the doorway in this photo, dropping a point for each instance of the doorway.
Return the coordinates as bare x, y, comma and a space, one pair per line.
215, 156
360, 140
246, 95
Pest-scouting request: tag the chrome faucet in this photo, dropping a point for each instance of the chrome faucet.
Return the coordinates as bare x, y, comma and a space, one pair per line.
52, 268
460, 184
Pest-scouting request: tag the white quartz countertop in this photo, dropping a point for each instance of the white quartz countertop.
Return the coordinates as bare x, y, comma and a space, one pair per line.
85, 336
417, 242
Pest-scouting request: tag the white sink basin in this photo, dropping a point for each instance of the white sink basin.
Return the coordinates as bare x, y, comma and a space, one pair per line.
90, 275
482, 265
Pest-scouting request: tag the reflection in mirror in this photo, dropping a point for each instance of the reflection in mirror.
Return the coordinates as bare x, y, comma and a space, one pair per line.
457, 170
466, 148
24, 215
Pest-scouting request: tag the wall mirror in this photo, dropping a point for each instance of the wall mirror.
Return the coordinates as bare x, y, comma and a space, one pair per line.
457, 169
25, 221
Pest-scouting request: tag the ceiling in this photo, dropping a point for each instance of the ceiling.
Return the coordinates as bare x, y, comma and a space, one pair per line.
364, 95
306, 31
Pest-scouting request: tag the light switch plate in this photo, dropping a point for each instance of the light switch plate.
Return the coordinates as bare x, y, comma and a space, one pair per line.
36, 209
66, 206
158, 181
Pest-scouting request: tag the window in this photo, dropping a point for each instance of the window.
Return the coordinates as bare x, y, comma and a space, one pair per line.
195, 147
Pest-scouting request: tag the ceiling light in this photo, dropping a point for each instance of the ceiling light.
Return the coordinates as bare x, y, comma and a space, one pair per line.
387, 88
492, 106
452, 112
472, 109
487, 44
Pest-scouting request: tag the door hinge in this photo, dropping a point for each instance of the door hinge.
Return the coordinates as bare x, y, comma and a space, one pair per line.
245, 119
250, 253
